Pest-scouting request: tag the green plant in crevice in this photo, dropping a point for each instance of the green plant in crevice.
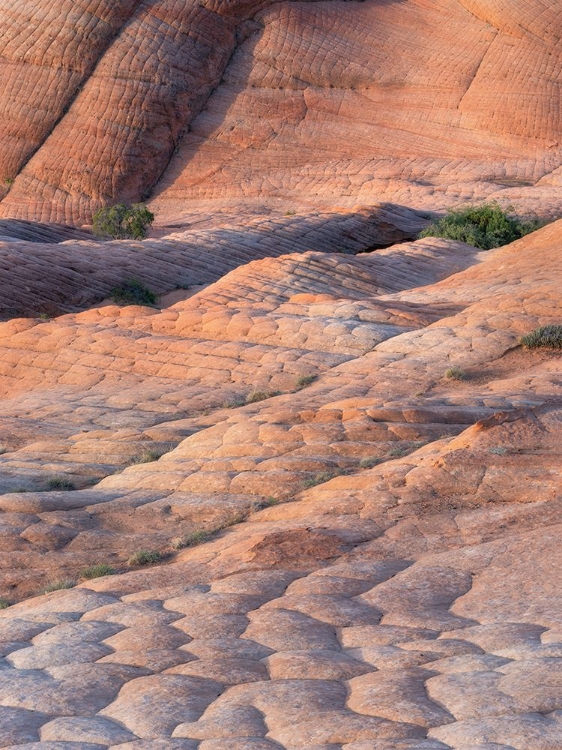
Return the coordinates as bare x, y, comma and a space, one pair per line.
303, 381
60, 483
96, 571
122, 221
132, 292
144, 557
58, 585
484, 226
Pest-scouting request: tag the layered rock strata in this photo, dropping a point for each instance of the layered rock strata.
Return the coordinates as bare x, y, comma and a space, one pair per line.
238, 104
383, 551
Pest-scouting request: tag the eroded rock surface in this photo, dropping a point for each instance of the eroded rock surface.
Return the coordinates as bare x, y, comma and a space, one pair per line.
382, 564
246, 104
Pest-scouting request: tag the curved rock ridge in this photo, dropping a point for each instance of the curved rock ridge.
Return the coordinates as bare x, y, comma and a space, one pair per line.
86, 395
143, 71
238, 104
47, 52
363, 553
52, 278
31, 231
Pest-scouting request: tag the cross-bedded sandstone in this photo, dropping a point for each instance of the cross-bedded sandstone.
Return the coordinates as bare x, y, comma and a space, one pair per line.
234, 104
408, 603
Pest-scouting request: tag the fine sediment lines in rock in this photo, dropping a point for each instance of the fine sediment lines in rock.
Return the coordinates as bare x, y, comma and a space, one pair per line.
282, 104
402, 592
80, 270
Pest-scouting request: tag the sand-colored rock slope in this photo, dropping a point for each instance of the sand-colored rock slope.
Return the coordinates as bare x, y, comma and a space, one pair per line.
249, 104
383, 562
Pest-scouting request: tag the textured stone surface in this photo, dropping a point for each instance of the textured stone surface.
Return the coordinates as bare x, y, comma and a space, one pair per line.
357, 552
59, 269
244, 105
383, 562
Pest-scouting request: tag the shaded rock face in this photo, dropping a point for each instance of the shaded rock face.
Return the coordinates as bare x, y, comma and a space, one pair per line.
423, 104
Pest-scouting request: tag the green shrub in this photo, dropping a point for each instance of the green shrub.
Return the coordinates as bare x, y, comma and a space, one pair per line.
132, 292
368, 463
267, 502
60, 483
304, 380
546, 337
123, 222
97, 571
144, 557
147, 456
321, 477
57, 586
4, 603
455, 373
190, 540
484, 226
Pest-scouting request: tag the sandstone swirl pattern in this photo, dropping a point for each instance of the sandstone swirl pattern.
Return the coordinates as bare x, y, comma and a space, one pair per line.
411, 101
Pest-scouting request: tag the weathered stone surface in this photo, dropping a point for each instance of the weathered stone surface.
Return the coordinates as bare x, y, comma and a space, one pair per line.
209, 99
381, 565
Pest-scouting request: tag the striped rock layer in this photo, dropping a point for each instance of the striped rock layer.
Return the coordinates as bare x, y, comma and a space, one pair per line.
244, 104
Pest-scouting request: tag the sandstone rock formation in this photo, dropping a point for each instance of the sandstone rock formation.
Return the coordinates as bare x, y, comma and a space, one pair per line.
382, 560
415, 102
56, 274
311, 498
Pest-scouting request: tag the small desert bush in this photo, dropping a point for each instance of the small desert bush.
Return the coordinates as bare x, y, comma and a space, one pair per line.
57, 586
256, 396
4, 603
267, 502
321, 477
148, 455
190, 540
132, 292
455, 373
96, 571
484, 226
368, 463
122, 222
60, 483
144, 557
545, 337
304, 380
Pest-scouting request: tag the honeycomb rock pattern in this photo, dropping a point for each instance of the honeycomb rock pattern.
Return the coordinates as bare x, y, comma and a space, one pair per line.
400, 592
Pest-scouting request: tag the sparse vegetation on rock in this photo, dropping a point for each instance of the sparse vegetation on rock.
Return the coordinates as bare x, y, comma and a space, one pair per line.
132, 292
190, 540
122, 222
255, 396
545, 337
60, 483
58, 586
144, 557
455, 373
96, 571
304, 380
485, 226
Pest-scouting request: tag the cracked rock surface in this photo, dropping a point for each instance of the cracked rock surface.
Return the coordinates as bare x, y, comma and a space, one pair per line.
243, 105
381, 565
